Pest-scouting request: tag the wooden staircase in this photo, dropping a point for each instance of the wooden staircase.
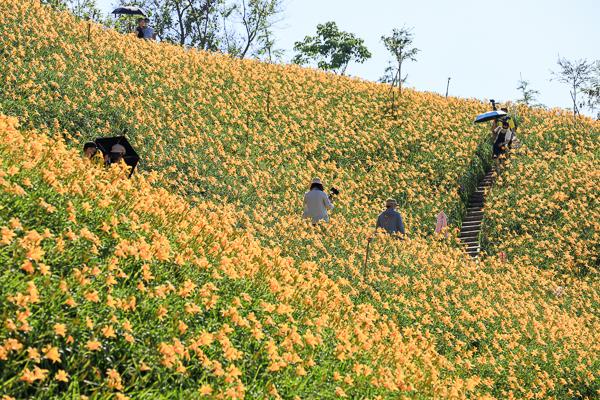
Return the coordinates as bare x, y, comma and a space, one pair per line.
471, 223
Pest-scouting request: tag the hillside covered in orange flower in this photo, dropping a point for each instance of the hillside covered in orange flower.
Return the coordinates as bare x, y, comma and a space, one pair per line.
198, 279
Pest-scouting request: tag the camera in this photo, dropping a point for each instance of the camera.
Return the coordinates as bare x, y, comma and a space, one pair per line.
333, 192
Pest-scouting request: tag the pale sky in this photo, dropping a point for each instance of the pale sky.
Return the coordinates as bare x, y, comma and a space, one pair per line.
482, 46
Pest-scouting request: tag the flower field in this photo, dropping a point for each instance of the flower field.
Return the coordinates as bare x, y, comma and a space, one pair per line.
544, 209
239, 131
197, 279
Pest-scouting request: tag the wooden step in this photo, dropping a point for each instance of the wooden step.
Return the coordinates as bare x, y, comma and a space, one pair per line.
472, 211
465, 234
475, 204
470, 224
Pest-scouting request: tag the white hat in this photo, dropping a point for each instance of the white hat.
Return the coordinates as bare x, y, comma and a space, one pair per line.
117, 148
316, 180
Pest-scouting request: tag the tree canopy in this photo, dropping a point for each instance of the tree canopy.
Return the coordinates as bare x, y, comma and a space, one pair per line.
399, 45
331, 48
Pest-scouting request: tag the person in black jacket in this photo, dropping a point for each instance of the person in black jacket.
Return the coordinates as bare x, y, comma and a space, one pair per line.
139, 30
90, 149
501, 138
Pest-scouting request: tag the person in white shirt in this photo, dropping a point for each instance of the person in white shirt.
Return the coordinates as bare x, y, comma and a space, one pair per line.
317, 203
148, 31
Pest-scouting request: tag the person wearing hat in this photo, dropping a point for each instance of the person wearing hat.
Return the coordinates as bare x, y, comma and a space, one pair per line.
90, 149
148, 31
117, 152
506, 118
317, 203
511, 123
390, 220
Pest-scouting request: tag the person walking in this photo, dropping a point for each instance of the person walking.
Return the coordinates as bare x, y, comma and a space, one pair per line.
507, 118
149, 33
139, 30
512, 125
317, 203
501, 138
390, 220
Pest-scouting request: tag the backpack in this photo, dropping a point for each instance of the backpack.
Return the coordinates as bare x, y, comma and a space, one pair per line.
515, 121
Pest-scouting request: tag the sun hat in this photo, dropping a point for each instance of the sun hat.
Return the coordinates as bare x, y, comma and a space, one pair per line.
88, 145
316, 180
391, 203
117, 148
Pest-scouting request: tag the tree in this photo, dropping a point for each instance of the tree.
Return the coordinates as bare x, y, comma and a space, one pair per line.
85, 9
331, 48
193, 23
592, 89
257, 19
576, 74
529, 95
211, 24
399, 45
266, 49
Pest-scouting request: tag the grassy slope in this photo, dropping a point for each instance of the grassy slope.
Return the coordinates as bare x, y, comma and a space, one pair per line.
211, 128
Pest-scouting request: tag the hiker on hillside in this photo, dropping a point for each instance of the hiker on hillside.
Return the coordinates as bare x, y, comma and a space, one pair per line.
390, 220
507, 118
90, 149
149, 33
317, 203
139, 30
501, 138
511, 124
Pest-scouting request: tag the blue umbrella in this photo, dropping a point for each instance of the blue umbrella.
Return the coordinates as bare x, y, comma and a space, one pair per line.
128, 10
488, 116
